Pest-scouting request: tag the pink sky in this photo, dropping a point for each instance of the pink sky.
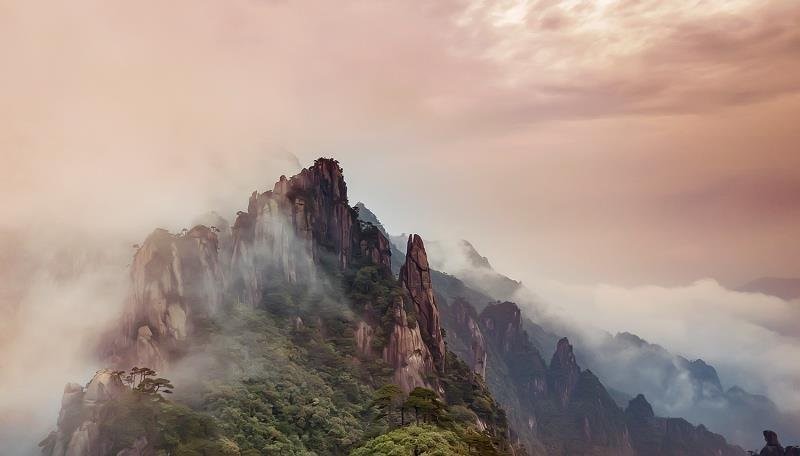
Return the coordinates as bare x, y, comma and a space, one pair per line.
608, 153
622, 142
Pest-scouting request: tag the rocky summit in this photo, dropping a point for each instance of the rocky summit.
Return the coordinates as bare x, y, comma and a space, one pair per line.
300, 328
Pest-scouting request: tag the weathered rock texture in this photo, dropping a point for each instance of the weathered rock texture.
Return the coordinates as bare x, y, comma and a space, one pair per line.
286, 230
557, 408
375, 247
407, 352
502, 325
175, 279
415, 276
415, 349
465, 324
78, 432
563, 374
285, 235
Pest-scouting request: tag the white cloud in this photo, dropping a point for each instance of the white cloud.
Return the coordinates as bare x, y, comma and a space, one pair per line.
751, 338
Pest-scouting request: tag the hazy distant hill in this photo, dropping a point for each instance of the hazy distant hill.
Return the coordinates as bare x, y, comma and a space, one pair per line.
785, 288
628, 365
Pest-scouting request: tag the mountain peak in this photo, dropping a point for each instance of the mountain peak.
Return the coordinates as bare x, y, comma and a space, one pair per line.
366, 215
476, 259
702, 373
564, 371
639, 409
415, 277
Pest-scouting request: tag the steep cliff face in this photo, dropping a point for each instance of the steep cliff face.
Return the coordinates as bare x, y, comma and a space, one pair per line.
375, 248
286, 230
175, 279
415, 277
561, 409
502, 325
284, 235
464, 322
557, 409
107, 417
78, 432
415, 349
407, 352
563, 373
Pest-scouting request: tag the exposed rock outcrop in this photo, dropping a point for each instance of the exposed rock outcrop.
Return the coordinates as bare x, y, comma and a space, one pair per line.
558, 409
81, 416
563, 374
773, 446
407, 352
175, 279
465, 324
375, 248
603, 422
502, 326
286, 234
639, 410
287, 229
364, 335
415, 276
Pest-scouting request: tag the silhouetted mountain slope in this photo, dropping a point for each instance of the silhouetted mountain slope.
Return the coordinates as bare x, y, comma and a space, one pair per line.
557, 407
631, 365
678, 386
657, 436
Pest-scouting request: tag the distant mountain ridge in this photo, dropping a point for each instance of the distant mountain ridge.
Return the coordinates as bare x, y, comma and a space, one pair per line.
787, 288
734, 411
555, 407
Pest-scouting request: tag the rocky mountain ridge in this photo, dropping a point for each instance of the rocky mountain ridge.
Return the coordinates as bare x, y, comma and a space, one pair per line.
300, 239
303, 272
566, 410
628, 364
556, 407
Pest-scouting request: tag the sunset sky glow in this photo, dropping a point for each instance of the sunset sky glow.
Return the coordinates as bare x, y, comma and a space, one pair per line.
625, 141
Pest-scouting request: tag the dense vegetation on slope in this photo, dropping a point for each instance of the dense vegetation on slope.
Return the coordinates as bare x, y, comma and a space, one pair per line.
285, 379
282, 375
425, 439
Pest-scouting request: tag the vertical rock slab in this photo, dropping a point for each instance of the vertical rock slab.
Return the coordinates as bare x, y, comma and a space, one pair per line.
564, 372
415, 277
502, 326
286, 230
407, 352
465, 323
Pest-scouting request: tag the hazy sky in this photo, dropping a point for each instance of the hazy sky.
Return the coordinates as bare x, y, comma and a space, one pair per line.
627, 142
607, 153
